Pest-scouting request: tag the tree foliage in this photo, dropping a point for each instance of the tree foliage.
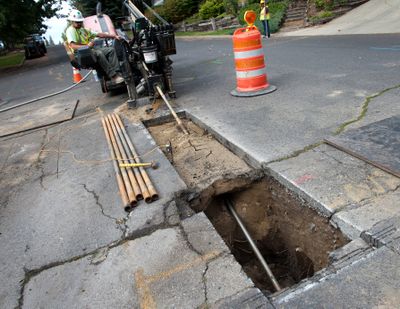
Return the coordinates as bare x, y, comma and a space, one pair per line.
18, 18
211, 8
231, 6
112, 8
177, 10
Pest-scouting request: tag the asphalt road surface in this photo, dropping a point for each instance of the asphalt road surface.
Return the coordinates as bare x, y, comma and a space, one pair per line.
322, 82
36, 77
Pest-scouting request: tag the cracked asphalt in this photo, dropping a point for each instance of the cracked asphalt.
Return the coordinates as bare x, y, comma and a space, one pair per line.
67, 243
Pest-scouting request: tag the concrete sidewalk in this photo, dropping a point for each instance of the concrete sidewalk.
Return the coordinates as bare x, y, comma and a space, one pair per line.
153, 259
187, 266
67, 242
374, 16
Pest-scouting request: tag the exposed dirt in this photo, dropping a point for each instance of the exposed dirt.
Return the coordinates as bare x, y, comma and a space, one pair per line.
294, 240
198, 157
142, 113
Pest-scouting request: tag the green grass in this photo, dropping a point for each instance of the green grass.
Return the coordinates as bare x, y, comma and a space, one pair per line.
11, 59
321, 16
202, 33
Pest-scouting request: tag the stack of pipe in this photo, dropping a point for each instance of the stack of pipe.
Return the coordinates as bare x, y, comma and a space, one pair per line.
134, 183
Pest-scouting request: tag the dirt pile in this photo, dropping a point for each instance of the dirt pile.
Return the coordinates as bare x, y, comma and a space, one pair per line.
198, 157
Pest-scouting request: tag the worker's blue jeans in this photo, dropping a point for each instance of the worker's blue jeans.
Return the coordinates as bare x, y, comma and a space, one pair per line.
265, 24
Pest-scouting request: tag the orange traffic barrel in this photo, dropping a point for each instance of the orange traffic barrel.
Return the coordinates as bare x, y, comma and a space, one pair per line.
251, 74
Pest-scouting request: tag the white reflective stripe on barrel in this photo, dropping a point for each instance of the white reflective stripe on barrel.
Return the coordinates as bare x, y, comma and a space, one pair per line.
249, 54
252, 73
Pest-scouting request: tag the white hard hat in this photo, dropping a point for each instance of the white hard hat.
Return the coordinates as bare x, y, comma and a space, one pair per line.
75, 15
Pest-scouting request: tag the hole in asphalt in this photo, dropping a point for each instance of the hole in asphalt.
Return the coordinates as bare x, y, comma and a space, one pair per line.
294, 240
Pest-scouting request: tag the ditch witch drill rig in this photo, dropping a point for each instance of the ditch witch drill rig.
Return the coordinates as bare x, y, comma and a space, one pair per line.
143, 59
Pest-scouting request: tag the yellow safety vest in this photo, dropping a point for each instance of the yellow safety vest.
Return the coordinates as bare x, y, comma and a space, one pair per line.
263, 14
81, 36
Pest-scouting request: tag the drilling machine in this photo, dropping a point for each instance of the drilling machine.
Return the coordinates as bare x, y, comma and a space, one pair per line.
144, 57
149, 51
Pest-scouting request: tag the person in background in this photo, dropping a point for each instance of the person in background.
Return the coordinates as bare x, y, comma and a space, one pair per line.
264, 18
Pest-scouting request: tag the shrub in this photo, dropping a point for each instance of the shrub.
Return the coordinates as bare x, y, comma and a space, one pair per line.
328, 5
231, 7
321, 16
211, 8
175, 10
325, 14
319, 4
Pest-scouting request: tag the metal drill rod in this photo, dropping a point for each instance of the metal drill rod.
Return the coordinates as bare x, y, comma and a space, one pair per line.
134, 11
120, 182
180, 124
145, 176
257, 252
125, 177
138, 175
123, 154
155, 14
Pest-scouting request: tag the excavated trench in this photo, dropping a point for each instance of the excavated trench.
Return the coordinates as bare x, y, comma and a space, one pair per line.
293, 239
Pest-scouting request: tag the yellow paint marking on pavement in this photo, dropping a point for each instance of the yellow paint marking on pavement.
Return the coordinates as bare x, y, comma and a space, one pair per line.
376, 187
143, 282
357, 192
388, 181
165, 274
145, 295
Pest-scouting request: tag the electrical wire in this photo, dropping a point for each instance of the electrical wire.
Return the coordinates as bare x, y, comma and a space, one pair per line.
46, 96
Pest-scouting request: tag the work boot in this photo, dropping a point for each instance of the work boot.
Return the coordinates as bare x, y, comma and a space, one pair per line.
117, 79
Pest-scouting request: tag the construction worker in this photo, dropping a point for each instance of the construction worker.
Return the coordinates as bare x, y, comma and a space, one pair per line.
264, 17
77, 36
